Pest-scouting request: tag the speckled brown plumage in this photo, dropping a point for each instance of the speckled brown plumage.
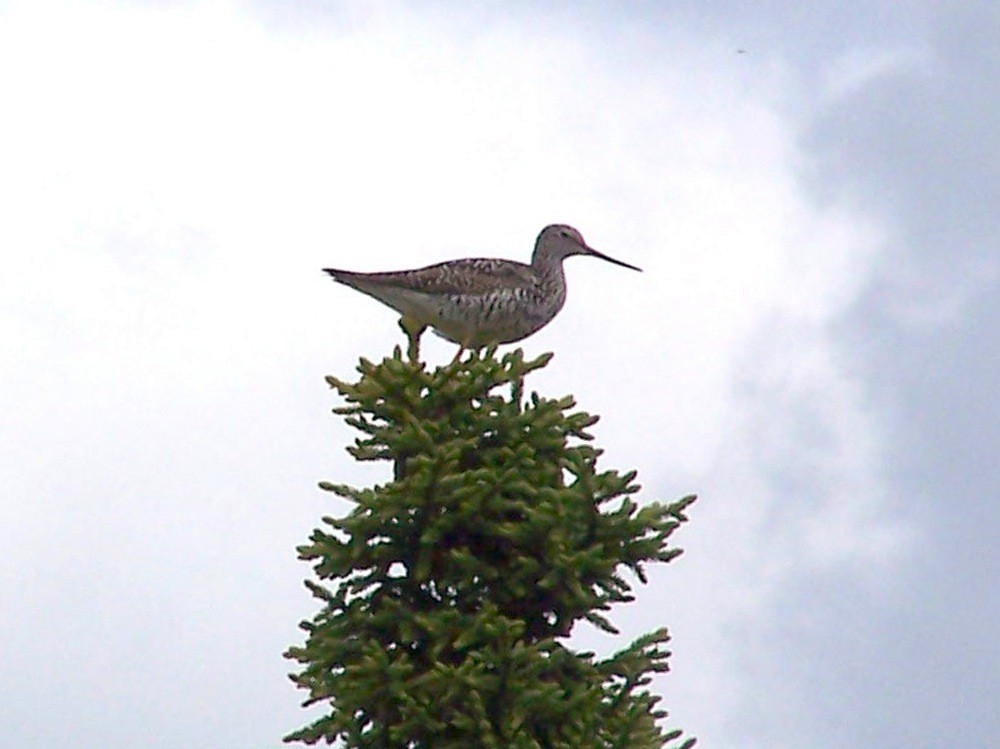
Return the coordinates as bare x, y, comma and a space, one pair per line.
479, 302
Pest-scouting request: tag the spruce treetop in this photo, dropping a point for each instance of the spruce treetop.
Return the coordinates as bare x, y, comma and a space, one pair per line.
448, 592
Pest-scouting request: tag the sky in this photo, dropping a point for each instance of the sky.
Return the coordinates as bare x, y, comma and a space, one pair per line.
811, 191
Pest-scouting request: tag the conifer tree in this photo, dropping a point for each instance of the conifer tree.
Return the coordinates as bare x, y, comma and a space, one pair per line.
449, 591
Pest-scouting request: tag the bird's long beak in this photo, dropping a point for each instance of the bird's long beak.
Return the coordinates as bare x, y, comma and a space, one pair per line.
602, 256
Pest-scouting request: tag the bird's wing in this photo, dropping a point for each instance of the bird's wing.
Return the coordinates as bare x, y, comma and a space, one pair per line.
471, 276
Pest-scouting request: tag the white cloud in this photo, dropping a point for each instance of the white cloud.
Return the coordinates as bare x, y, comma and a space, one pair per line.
859, 67
177, 177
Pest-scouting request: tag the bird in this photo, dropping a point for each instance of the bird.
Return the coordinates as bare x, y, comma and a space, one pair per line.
479, 302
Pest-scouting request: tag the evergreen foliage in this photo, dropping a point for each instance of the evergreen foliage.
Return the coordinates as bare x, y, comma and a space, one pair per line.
447, 592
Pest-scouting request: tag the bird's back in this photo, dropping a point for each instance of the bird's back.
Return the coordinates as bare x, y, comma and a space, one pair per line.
471, 276
473, 302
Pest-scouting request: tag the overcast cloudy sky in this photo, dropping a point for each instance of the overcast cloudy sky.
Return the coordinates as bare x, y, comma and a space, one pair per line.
811, 190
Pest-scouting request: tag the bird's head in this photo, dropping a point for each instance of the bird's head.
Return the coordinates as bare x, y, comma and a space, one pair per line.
558, 241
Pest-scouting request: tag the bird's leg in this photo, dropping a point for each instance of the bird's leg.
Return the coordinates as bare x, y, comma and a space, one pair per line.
413, 332
399, 468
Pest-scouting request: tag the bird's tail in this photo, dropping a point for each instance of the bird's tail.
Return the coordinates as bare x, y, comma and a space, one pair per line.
343, 276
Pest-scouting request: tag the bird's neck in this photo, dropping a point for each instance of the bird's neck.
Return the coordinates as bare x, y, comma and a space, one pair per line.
548, 267
552, 279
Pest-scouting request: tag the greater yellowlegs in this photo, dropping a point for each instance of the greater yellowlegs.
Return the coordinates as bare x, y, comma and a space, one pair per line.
479, 302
